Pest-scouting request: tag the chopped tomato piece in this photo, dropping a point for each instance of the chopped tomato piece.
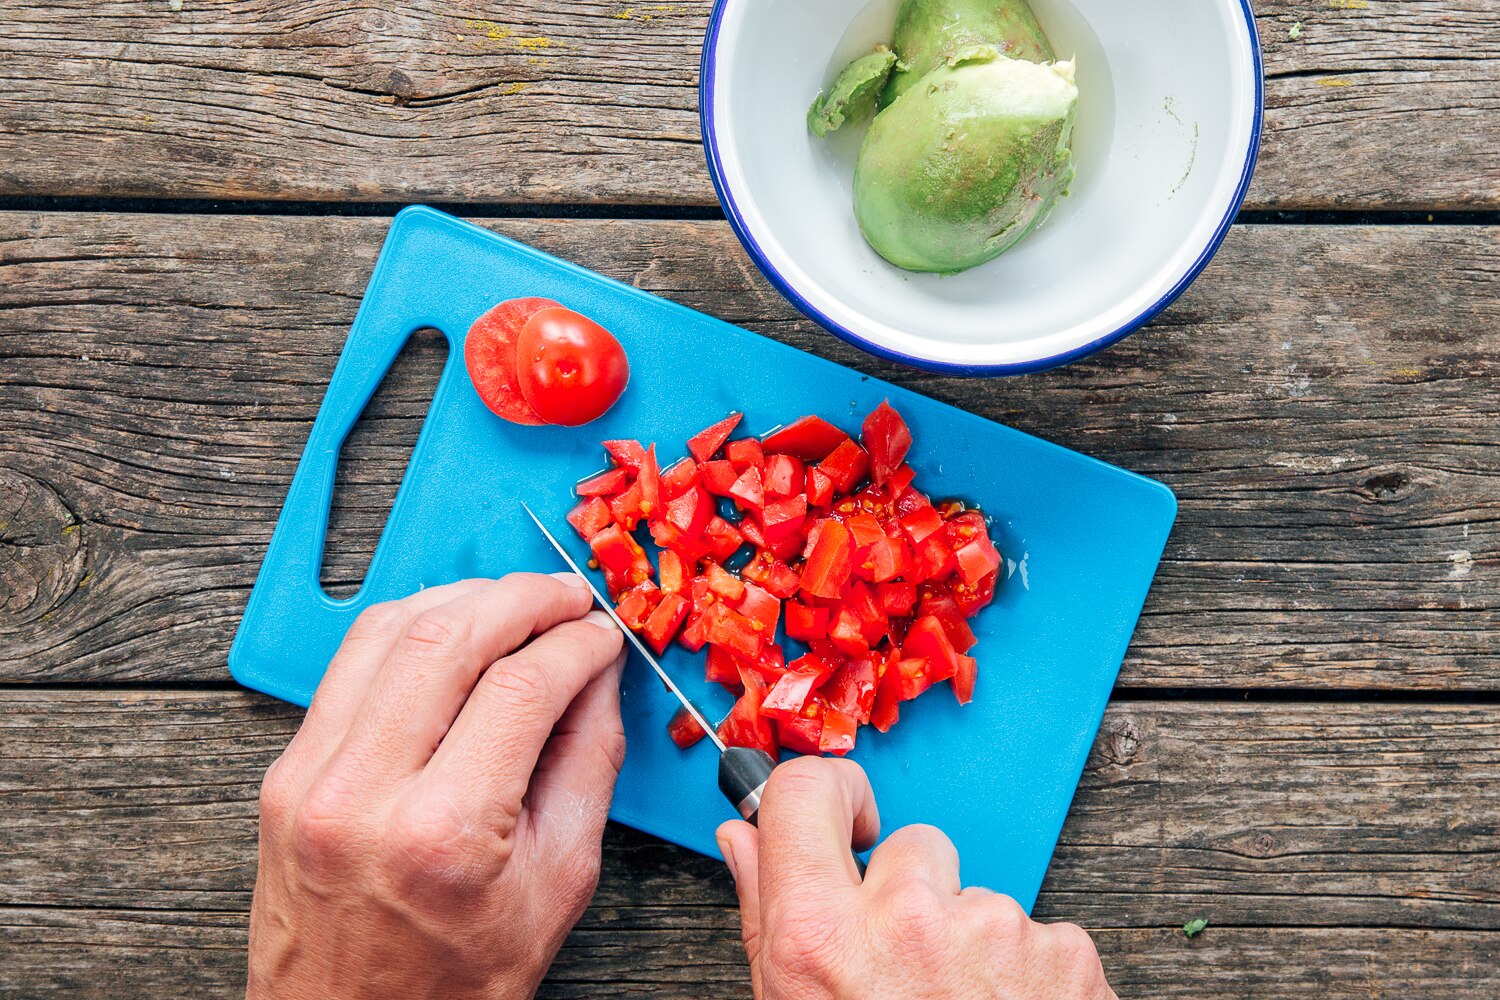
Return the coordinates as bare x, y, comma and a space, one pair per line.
745, 726
760, 607
933, 559
664, 622
808, 438
896, 598
628, 508
837, 734
963, 679
748, 491
722, 666
689, 513
744, 453
803, 622
694, 634
590, 517
615, 549
723, 582
671, 572
851, 689
723, 538
684, 729
669, 536
977, 559
627, 454
676, 480
788, 548
772, 574
770, 664
887, 439
706, 443
752, 533
636, 605
912, 677
971, 600
783, 476
847, 634
845, 465
859, 600
650, 483
928, 639
734, 631
886, 710
819, 488
921, 523
718, 477
605, 484
802, 732
830, 561
781, 519
900, 480
789, 694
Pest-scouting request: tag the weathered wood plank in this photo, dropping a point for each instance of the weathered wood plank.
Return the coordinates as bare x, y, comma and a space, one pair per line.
1325, 401
1342, 814
1248, 814
120, 955
1375, 105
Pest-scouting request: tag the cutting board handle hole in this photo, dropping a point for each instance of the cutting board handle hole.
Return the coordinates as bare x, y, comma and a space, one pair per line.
373, 460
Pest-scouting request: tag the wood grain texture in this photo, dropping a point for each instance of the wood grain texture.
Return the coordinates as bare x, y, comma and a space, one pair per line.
1391, 104
1385, 819
124, 955
1324, 401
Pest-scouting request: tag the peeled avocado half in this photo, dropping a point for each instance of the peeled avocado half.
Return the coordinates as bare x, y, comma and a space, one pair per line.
967, 162
930, 33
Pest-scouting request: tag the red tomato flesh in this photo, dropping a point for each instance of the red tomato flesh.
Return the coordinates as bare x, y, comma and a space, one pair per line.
490, 356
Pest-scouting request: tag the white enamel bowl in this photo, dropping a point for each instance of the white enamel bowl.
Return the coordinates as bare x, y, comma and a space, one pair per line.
1168, 124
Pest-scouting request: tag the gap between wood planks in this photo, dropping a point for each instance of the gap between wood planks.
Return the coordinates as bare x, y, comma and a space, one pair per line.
1120, 695
705, 213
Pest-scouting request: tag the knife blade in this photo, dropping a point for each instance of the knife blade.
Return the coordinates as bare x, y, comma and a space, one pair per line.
608, 608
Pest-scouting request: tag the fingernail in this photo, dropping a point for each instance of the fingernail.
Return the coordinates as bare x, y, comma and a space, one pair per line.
728, 857
571, 579
597, 617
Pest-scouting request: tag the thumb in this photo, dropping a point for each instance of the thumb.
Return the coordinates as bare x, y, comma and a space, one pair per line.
740, 844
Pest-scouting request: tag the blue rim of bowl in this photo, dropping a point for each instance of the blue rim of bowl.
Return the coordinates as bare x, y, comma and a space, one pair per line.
737, 223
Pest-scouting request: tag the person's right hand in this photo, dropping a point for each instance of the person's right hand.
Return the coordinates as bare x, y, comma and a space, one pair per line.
909, 930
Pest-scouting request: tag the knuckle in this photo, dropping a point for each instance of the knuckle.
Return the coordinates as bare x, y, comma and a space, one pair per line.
322, 826
438, 634
1005, 919
798, 778
377, 622
1074, 945
436, 847
916, 916
579, 879
522, 684
278, 796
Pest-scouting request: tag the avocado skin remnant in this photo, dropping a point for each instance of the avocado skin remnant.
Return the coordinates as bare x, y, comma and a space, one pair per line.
853, 95
967, 162
930, 33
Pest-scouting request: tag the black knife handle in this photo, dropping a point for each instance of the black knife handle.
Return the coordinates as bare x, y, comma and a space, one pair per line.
743, 774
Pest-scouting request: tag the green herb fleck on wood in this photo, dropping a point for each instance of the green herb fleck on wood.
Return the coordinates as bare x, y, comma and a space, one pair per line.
1194, 927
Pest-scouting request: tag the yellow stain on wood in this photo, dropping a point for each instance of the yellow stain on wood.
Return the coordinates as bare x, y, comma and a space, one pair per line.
513, 88
70, 529
502, 35
1334, 81
1349, 4
147, 120
649, 13
1408, 372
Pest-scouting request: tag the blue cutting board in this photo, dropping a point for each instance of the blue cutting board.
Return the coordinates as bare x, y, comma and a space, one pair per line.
1082, 540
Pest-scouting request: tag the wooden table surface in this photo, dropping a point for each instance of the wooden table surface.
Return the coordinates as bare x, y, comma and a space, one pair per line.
1305, 744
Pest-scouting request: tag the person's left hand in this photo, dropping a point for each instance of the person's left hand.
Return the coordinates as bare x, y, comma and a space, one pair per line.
434, 828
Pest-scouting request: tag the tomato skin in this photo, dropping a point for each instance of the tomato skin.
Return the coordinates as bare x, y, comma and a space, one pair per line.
490, 356
808, 438
707, 442
887, 439
569, 368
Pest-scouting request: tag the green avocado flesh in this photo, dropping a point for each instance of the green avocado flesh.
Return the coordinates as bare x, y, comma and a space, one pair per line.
930, 33
967, 162
852, 96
